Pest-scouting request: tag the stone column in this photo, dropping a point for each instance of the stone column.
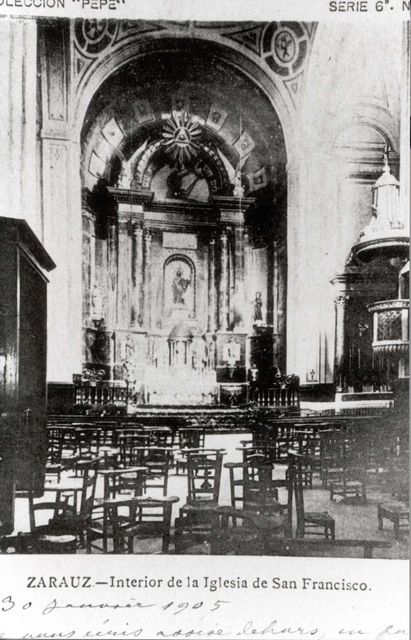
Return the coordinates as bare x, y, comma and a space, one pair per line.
275, 286
112, 275
223, 289
19, 194
147, 280
405, 127
239, 261
340, 302
61, 201
124, 274
137, 271
211, 286
88, 265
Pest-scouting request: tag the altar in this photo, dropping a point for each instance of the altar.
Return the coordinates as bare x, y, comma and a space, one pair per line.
183, 292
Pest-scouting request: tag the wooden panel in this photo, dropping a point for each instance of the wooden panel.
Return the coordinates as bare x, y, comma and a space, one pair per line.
32, 373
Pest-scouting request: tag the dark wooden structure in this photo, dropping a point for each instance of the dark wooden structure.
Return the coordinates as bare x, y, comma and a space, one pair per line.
23, 350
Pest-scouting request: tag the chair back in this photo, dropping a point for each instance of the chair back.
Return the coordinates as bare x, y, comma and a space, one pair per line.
158, 461
50, 511
132, 483
259, 489
87, 441
141, 518
88, 490
127, 443
191, 438
204, 475
296, 478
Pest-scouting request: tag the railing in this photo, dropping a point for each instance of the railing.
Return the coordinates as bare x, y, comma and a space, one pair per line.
276, 397
390, 322
101, 393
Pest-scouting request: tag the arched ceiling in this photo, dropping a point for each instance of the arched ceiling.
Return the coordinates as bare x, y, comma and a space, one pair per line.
186, 112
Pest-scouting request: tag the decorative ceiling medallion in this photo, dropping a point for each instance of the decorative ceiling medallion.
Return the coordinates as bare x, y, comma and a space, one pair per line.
285, 47
180, 134
94, 35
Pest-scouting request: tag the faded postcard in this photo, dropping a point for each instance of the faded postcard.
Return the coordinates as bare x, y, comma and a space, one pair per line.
204, 319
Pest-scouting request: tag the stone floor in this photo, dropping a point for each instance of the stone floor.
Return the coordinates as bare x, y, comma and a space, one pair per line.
355, 521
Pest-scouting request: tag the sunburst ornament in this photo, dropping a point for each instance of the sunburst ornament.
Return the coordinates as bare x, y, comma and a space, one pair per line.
180, 134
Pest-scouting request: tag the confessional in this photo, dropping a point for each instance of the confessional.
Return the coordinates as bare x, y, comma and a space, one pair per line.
23, 336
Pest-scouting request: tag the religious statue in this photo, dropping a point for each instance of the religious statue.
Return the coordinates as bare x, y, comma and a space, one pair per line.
126, 176
238, 189
180, 285
96, 303
258, 304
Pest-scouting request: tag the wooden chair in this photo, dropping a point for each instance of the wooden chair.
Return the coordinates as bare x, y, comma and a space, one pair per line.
129, 444
350, 485
158, 461
139, 519
43, 537
54, 462
228, 538
398, 513
195, 521
188, 438
253, 489
75, 523
308, 522
119, 484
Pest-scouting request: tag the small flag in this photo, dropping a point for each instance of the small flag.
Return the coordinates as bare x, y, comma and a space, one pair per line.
244, 144
216, 117
112, 132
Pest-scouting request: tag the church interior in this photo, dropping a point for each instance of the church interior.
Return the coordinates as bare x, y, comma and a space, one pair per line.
204, 279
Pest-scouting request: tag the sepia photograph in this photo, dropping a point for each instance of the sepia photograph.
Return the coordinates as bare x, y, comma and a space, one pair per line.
204, 289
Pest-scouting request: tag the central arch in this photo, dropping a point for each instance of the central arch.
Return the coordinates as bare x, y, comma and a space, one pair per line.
185, 160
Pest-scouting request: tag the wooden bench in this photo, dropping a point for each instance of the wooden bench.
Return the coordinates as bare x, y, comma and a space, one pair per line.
298, 546
398, 514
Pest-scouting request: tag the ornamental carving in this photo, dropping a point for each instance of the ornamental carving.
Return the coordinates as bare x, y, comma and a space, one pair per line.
341, 301
285, 47
94, 35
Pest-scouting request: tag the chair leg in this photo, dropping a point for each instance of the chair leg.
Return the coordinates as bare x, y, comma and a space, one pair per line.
380, 520
166, 529
396, 521
130, 544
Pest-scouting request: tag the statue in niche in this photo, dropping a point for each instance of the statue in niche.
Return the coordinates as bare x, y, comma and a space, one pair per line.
211, 354
126, 176
258, 305
238, 189
180, 285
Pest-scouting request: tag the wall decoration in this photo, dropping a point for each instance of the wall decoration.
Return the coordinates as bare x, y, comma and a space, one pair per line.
180, 104
143, 111
97, 166
250, 37
244, 144
179, 240
180, 135
285, 47
232, 352
216, 117
257, 180
112, 132
179, 286
94, 35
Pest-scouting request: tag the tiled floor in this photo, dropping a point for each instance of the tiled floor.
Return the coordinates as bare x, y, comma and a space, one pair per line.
353, 521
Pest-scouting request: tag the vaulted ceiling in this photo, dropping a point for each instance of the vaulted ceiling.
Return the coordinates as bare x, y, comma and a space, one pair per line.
182, 109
